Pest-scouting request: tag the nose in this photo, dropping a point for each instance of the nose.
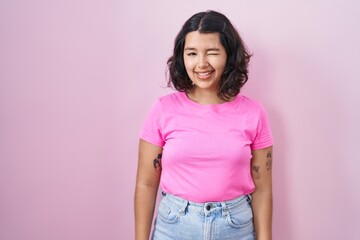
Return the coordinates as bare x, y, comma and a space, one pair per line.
203, 62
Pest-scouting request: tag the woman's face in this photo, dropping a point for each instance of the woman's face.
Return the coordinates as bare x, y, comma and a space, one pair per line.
205, 59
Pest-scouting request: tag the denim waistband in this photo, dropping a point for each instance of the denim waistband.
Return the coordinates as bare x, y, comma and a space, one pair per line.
204, 208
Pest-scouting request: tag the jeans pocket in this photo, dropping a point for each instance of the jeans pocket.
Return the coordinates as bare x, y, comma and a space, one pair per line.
240, 217
167, 214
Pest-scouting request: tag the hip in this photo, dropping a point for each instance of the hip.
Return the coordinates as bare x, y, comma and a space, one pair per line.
178, 218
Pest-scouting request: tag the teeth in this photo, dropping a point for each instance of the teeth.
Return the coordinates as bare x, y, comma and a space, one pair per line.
204, 74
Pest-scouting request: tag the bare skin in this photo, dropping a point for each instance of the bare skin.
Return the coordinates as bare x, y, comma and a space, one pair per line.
261, 165
147, 183
204, 60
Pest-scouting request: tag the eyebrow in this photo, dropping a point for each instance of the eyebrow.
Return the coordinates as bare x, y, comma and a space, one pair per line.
209, 49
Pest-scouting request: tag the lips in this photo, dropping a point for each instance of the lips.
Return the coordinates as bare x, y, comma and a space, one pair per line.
204, 75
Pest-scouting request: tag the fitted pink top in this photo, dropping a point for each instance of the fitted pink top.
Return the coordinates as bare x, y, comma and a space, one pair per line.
207, 148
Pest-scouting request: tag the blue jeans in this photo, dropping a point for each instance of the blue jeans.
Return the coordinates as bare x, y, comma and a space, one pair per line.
180, 219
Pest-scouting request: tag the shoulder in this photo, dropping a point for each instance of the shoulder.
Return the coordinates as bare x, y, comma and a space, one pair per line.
170, 99
251, 103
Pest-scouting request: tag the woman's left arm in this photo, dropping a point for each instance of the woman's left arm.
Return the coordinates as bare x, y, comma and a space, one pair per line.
261, 167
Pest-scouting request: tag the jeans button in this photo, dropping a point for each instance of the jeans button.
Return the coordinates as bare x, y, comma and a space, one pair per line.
208, 207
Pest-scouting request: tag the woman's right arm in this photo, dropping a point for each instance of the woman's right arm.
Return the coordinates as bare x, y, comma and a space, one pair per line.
147, 183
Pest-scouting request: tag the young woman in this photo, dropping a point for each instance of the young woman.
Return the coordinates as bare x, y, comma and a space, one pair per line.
209, 147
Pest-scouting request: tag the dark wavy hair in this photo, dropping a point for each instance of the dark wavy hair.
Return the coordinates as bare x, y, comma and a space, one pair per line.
235, 74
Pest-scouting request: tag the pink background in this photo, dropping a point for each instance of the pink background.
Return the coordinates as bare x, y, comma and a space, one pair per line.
78, 77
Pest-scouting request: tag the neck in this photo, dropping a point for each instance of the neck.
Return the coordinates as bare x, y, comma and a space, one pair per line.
203, 96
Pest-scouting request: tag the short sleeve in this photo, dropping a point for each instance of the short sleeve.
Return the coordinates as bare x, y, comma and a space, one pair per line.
151, 131
263, 137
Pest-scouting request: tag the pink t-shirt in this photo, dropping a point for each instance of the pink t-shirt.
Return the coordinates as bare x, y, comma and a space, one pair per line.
207, 148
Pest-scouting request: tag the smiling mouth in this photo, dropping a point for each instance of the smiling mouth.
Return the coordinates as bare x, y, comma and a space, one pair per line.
204, 75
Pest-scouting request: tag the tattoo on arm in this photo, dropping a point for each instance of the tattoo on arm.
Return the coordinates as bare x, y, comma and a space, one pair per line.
256, 170
269, 161
157, 162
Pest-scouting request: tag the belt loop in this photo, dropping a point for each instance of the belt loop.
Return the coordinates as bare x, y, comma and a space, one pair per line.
249, 198
183, 207
224, 209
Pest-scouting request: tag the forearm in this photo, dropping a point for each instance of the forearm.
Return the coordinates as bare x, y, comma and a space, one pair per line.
145, 199
262, 210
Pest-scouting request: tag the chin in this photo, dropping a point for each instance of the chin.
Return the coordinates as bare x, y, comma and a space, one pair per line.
203, 86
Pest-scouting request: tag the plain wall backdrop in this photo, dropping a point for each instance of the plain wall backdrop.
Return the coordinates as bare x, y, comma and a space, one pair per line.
77, 79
